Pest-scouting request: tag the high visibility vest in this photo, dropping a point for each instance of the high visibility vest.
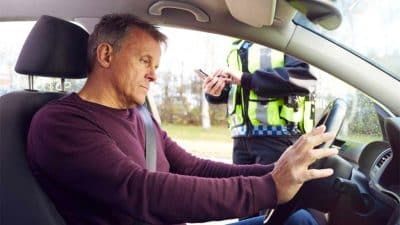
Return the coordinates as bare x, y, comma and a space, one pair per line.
264, 116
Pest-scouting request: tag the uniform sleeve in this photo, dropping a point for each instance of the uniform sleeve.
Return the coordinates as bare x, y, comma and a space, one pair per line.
294, 78
78, 155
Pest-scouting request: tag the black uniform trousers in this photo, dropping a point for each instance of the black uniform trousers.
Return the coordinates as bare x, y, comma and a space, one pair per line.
260, 149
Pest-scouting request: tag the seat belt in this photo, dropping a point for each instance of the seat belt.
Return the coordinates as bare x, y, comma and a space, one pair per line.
150, 138
150, 144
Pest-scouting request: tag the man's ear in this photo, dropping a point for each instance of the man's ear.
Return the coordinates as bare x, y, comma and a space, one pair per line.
104, 54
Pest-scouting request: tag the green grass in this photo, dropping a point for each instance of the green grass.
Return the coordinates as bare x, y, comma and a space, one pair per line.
216, 143
191, 132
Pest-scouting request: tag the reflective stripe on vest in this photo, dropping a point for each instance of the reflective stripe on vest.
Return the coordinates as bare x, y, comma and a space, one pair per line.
260, 57
264, 110
239, 131
235, 112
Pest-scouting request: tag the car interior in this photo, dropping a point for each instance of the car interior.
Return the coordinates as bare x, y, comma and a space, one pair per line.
58, 48
365, 188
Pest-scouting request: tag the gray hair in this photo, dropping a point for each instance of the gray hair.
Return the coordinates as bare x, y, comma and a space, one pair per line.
112, 28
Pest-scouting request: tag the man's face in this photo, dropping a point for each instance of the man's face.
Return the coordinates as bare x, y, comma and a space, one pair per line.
133, 67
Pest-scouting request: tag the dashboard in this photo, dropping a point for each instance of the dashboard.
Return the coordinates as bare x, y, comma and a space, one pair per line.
371, 195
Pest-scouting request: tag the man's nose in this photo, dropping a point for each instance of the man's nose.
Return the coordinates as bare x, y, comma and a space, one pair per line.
151, 75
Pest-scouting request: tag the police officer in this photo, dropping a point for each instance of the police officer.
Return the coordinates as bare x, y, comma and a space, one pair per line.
270, 101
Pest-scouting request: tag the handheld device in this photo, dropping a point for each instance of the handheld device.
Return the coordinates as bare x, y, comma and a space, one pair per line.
203, 75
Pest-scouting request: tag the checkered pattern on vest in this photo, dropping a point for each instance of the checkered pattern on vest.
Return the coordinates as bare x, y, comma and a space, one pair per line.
268, 130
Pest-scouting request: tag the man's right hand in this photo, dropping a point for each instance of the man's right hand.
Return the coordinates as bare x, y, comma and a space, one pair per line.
292, 168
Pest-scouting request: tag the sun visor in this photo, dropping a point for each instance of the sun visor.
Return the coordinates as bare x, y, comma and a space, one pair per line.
256, 13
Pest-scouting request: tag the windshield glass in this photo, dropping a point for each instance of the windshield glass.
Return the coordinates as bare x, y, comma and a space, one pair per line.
369, 28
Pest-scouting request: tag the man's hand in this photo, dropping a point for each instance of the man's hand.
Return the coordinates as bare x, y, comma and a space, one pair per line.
292, 168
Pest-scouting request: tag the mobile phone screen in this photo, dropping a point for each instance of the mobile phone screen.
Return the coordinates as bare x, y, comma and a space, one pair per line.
201, 74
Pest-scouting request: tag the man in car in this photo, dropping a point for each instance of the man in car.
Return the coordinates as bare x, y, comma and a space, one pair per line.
87, 150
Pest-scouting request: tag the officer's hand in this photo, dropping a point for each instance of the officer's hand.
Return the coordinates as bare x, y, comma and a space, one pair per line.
213, 85
292, 168
231, 75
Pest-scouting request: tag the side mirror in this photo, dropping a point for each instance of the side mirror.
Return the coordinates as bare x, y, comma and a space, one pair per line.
321, 12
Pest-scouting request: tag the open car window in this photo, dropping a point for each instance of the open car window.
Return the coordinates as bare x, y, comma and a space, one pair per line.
361, 123
178, 90
368, 28
11, 41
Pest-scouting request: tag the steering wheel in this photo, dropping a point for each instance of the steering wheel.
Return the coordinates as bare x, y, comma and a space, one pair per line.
332, 117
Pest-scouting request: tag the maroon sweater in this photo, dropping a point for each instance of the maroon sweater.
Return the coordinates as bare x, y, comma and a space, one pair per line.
90, 160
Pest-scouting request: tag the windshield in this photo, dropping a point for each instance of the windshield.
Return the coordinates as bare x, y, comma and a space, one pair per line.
369, 28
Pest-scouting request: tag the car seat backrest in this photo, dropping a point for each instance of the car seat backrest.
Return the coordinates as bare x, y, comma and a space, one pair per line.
54, 48
22, 200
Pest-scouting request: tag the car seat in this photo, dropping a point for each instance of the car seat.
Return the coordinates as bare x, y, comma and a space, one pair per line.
54, 48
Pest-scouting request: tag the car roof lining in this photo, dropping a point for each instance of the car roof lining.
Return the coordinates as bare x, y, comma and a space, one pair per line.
218, 12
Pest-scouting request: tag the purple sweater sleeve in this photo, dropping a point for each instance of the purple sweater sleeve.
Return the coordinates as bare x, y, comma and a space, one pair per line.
89, 162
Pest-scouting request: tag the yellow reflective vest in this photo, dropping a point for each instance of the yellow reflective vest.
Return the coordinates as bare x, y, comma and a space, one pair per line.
263, 116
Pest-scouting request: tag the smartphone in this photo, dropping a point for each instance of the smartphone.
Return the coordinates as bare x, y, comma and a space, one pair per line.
203, 75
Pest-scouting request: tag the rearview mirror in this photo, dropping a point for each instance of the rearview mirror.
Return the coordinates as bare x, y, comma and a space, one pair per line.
321, 12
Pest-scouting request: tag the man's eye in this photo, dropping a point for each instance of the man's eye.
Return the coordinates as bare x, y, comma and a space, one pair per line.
146, 62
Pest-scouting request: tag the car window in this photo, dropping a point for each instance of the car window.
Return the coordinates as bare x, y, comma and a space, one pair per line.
180, 99
201, 128
361, 123
369, 28
11, 42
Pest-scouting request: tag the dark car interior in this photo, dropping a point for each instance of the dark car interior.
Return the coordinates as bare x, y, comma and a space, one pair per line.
364, 194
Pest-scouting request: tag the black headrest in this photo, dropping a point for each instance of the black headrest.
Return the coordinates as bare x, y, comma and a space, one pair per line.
54, 48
